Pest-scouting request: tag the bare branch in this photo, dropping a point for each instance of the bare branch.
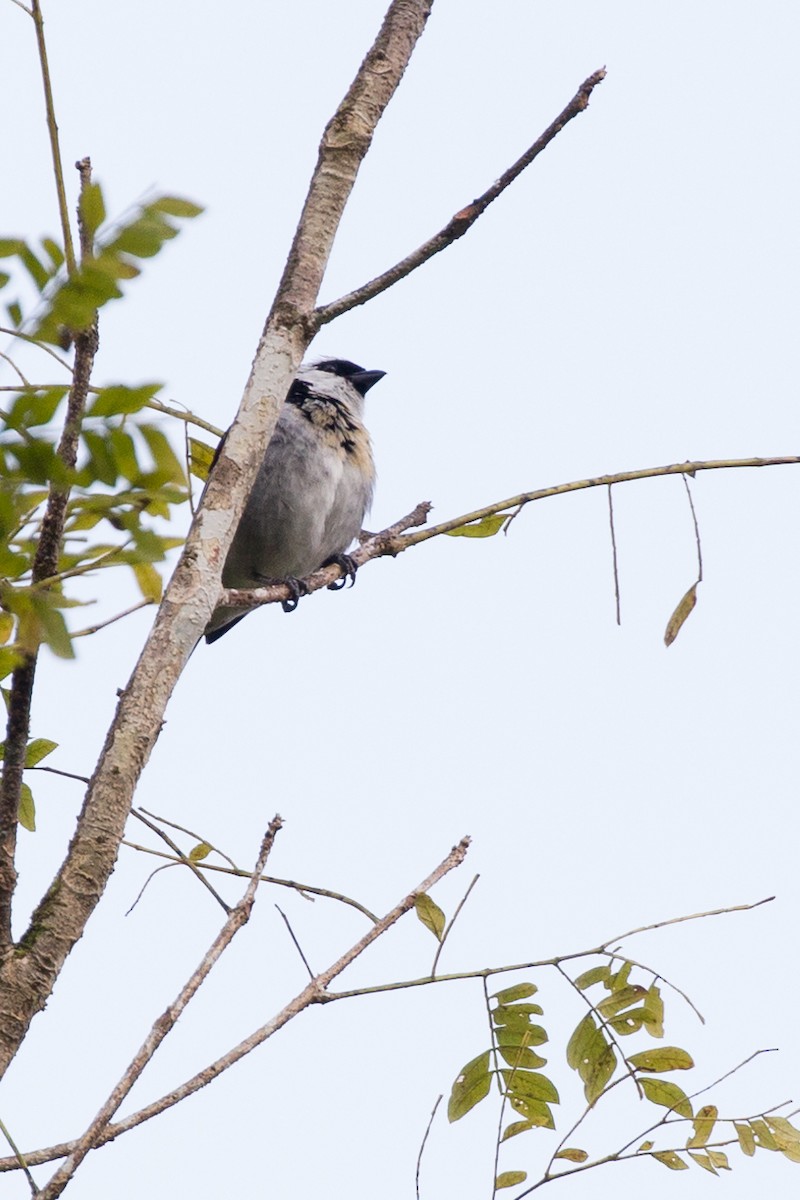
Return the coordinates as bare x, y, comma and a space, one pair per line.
307, 890
297, 945
237, 919
614, 553
713, 912
424, 1140
313, 993
451, 923
183, 858
466, 218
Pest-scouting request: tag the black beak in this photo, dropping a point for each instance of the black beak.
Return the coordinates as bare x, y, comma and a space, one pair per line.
362, 381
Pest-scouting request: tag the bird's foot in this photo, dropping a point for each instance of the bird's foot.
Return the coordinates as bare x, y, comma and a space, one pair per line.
348, 566
295, 586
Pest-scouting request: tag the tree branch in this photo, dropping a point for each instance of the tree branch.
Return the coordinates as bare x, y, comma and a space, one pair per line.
45, 565
237, 919
28, 975
466, 218
311, 994
394, 541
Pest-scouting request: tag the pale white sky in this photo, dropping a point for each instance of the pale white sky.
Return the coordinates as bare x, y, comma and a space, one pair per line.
630, 302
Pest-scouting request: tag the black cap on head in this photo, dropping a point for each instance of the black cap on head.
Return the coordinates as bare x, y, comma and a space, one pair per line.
361, 380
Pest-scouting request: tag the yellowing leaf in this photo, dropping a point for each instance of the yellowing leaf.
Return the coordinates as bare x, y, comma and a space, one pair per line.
703, 1161
670, 1159
520, 991
646, 1146
661, 1091
509, 1179
664, 1058
149, 581
430, 914
201, 458
572, 1155
746, 1140
516, 1127
199, 852
680, 614
704, 1124
762, 1134
6, 626
719, 1159
471, 1086
486, 527
38, 749
27, 811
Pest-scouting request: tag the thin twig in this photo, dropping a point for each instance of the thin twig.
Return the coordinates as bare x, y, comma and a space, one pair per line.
21, 1159
466, 218
713, 912
27, 337
184, 858
197, 837
423, 1143
187, 417
696, 529
14, 367
236, 920
297, 945
451, 923
307, 890
52, 130
614, 553
111, 620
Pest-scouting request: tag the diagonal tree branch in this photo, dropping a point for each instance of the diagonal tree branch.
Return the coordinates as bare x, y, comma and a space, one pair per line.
463, 221
237, 919
27, 976
314, 991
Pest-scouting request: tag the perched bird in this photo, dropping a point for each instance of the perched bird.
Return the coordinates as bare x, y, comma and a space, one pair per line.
312, 490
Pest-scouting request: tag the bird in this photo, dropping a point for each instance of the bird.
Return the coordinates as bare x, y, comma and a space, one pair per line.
312, 490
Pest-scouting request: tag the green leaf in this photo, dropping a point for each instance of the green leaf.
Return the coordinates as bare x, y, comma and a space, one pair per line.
486, 527
92, 208
516, 1127
664, 1058
199, 852
670, 1159
520, 991
679, 616
168, 466
746, 1140
37, 271
201, 458
572, 1155
704, 1124
516, 1014
518, 1055
149, 581
471, 1086
53, 251
6, 626
703, 1161
654, 1008
38, 749
593, 975
14, 313
619, 979
530, 1085
662, 1091
599, 1075
120, 399
536, 1112
430, 915
509, 1179
619, 999
27, 810
176, 206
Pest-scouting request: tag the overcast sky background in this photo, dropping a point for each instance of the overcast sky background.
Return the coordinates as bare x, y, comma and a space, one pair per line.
630, 302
